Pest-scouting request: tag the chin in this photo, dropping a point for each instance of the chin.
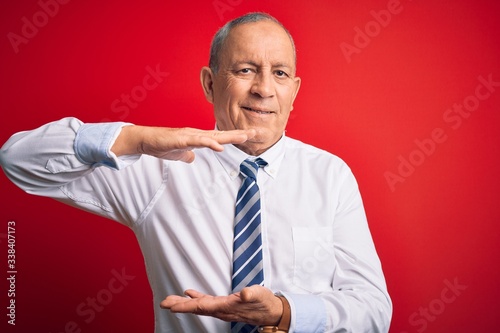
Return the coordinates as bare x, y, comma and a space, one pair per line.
261, 132
264, 140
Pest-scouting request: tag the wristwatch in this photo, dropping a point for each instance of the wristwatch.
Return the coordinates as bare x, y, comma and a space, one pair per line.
284, 324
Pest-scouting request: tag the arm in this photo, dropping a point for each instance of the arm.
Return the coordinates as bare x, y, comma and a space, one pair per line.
31, 158
353, 295
63, 160
360, 301
39, 161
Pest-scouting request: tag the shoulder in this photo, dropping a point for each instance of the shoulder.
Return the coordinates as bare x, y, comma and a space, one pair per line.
318, 165
296, 149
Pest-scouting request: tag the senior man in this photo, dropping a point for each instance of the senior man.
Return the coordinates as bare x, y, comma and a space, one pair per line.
259, 232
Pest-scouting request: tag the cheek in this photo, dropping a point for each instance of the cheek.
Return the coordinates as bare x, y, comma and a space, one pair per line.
237, 89
283, 121
227, 92
286, 101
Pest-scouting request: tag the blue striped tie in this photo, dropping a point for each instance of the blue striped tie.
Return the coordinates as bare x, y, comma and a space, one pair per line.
247, 245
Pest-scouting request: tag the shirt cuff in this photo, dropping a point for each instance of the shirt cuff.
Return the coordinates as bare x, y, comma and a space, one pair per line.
93, 144
308, 313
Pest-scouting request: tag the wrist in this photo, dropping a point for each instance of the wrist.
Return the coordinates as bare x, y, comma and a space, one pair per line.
128, 141
284, 323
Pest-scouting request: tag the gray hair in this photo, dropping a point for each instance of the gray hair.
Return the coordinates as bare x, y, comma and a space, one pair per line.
222, 34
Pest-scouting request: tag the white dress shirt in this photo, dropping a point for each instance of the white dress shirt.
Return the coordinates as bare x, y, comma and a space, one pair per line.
318, 251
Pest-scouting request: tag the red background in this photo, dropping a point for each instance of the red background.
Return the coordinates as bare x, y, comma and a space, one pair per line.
440, 224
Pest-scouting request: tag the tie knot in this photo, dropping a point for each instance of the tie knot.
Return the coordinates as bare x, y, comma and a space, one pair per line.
249, 168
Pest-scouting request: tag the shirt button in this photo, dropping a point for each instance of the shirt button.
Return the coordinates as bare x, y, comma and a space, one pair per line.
233, 173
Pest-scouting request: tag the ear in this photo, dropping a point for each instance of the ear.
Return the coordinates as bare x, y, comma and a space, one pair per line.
296, 87
207, 81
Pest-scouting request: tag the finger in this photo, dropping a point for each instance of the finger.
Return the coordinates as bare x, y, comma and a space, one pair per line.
190, 305
215, 139
199, 303
195, 138
234, 136
172, 300
186, 306
193, 293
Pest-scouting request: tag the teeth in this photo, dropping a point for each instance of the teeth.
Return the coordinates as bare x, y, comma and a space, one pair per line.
260, 112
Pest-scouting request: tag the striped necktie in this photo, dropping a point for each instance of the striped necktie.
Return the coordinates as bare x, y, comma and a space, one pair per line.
247, 244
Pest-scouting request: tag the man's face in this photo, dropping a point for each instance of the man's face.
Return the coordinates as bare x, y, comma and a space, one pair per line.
256, 85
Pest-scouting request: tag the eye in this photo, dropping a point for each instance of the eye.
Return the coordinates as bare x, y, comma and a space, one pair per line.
280, 73
245, 71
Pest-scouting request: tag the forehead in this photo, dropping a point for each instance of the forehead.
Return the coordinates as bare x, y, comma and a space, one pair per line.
257, 42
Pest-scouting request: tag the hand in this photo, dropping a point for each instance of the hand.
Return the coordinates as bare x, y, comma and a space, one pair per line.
254, 305
174, 143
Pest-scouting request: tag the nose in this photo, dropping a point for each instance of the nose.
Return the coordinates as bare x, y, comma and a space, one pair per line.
263, 85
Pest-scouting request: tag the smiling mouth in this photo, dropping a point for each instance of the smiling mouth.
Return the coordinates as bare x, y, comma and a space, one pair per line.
255, 110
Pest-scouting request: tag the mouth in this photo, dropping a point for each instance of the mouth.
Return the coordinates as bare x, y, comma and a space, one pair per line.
256, 110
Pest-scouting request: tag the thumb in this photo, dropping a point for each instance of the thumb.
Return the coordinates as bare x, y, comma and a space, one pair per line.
187, 156
251, 294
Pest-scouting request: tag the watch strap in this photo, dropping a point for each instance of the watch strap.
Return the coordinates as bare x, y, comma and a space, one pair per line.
284, 323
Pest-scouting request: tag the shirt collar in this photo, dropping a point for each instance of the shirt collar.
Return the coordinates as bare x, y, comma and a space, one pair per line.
231, 157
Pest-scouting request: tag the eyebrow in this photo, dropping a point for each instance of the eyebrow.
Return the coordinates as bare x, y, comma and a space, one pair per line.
245, 62
251, 63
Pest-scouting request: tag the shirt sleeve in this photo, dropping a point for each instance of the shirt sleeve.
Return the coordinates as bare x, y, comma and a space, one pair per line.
308, 313
358, 300
71, 162
93, 144
58, 153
